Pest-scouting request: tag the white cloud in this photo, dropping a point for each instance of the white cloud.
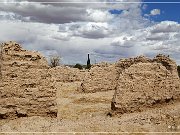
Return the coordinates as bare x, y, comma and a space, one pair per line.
73, 30
89, 30
123, 41
155, 12
47, 38
166, 27
64, 12
98, 15
94, 30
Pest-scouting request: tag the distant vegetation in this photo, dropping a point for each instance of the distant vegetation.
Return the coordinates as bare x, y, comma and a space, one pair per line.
79, 66
55, 60
88, 63
88, 66
178, 69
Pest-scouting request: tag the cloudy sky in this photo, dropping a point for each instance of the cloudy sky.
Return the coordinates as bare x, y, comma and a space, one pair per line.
108, 30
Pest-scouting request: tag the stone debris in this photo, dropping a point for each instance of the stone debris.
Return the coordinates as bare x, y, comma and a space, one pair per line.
145, 82
27, 87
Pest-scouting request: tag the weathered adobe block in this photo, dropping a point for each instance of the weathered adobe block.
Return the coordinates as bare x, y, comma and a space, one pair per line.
145, 83
26, 88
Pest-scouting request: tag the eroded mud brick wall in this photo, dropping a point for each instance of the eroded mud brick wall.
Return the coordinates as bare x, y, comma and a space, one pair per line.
145, 82
101, 77
26, 88
67, 74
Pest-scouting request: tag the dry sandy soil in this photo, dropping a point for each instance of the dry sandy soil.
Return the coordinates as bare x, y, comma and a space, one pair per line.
87, 112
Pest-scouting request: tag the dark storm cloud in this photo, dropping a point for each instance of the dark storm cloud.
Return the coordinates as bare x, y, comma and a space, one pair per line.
46, 13
60, 13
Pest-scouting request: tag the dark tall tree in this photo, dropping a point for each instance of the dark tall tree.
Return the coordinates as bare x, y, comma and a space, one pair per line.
88, 63
178, 70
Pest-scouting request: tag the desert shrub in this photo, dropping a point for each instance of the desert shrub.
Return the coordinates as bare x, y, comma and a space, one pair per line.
55, 60
79, 66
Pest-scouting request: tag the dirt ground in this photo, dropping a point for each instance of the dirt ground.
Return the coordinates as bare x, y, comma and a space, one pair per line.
87, 112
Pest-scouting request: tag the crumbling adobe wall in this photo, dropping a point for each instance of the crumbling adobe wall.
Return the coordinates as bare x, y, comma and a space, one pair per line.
145, 82
26, 88
101, 77
123, 64
0, 62
67, 74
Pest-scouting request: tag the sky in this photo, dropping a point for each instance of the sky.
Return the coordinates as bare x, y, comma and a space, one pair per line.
107, 31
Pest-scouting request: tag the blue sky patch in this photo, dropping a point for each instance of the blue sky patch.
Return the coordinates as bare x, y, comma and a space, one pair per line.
169, 11
115, 11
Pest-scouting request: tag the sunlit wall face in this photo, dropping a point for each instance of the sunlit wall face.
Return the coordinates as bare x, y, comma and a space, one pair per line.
106, 29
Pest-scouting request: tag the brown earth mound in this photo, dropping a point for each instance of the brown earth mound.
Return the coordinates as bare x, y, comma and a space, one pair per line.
101, 77
145, 82
26, 88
